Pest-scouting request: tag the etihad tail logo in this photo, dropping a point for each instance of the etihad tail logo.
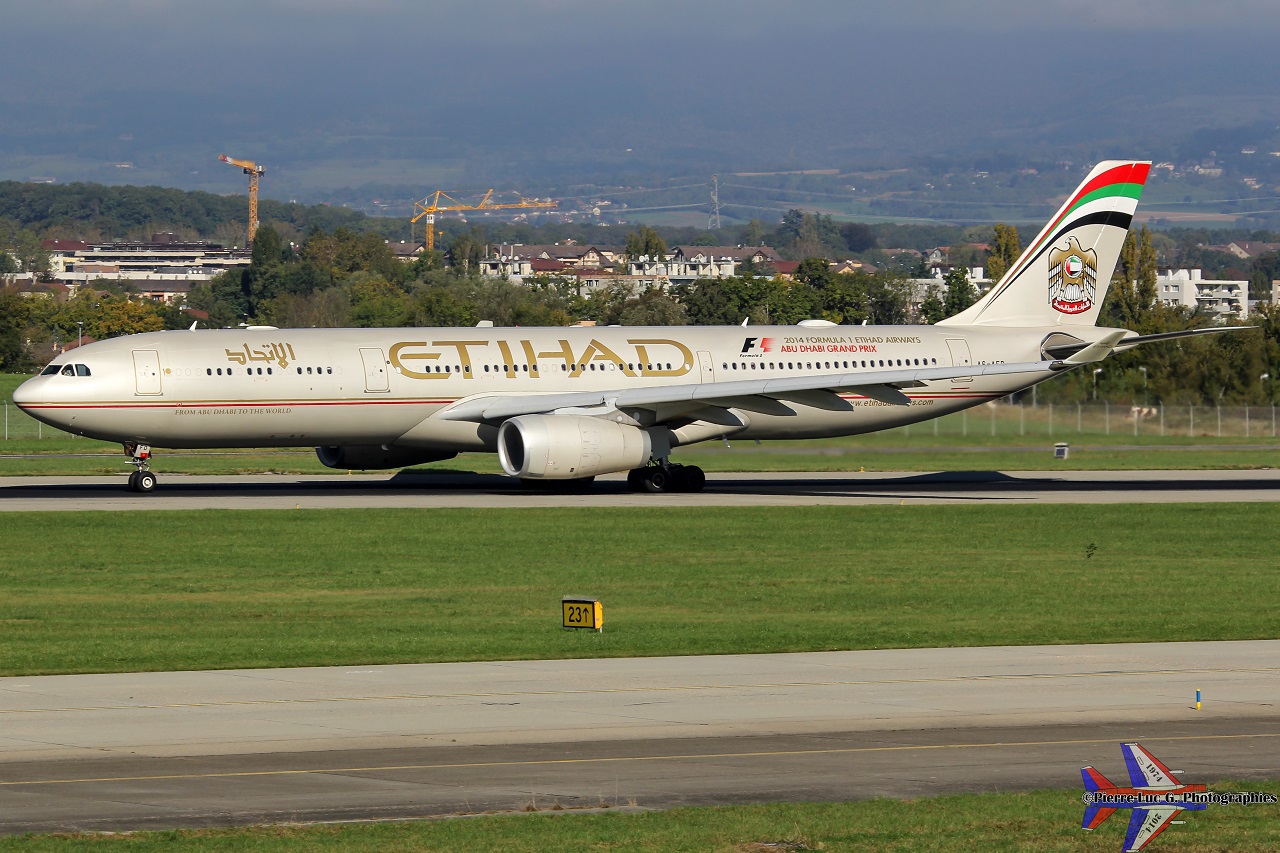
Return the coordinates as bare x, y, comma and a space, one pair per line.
752, 346
1073, 278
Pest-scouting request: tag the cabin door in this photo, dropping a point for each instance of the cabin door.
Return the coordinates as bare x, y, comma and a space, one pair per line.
375, 369
960, 357
146, 371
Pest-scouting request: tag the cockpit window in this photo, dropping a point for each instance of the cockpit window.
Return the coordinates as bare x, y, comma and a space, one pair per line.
69, 370
82, 370
51, 369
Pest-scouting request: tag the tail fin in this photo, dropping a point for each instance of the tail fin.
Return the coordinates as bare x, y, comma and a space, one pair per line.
1095, 781
1062, 277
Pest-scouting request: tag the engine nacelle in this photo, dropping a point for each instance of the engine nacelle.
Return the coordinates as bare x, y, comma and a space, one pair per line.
363, 457
563, 447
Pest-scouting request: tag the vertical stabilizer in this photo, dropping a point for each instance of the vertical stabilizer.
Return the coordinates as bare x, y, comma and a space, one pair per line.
1062, 277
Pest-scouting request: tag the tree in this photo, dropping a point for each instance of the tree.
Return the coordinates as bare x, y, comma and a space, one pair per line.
646, 243
125, 317
1005, 249
1144, 281
261, 280
14, 316
1264, 269
376, 303
319, 309
651, 308
889, 300
858, 237
960, 291
713, 302
1131, 296
815, 272
465, 253
932, 308
754, 234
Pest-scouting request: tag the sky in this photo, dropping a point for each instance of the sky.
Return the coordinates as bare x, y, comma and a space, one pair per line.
752, 83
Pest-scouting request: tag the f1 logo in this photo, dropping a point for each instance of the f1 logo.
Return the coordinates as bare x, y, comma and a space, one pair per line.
750, 345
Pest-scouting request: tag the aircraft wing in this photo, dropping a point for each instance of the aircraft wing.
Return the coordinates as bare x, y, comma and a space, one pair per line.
1146, 824
1145, 770
768, 396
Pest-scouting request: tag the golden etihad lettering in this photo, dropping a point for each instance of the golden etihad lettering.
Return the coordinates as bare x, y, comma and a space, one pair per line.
641, 357
272, 352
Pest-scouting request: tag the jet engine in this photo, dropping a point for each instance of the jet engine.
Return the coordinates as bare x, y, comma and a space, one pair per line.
362, 457
564, 447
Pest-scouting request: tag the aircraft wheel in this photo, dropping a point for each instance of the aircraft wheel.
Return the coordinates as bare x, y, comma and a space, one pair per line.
133, 481
636, 478
145, 483
657, 480
692, 478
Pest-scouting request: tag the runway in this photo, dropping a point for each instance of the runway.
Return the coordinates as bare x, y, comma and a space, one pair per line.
132, 751
271, 491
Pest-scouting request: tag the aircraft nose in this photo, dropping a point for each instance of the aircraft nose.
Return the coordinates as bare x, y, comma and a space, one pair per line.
27, 393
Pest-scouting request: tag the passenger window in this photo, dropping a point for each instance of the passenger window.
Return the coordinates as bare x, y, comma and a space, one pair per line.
328, 370
208, 371
82, 370
268, 371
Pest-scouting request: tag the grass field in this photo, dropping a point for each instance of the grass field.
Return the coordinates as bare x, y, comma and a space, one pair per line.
99, 592
1039, 822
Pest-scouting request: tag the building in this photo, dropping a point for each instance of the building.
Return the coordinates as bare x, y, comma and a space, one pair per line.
1247, 249
1188, 289
163, 268
687, 264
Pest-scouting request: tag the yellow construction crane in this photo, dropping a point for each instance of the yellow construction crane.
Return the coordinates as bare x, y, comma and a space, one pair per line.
431, 205
254, 171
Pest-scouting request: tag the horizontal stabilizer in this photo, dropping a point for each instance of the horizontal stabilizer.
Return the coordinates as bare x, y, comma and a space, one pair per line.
1064, 351
1099, 350
1094, 816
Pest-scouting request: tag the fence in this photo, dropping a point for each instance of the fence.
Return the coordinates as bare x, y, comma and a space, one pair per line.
992, 419
1061, 421
19, 425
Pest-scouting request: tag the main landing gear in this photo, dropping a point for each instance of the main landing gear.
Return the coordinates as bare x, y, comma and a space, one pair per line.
142, 480
666, 478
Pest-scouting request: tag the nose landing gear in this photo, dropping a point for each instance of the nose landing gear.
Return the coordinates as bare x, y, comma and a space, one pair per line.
141, 480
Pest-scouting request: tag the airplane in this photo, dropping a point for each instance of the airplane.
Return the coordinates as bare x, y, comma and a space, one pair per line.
1155, 797
566, 404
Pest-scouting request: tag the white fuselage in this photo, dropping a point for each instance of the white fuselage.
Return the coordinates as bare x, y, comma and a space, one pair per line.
308, 387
